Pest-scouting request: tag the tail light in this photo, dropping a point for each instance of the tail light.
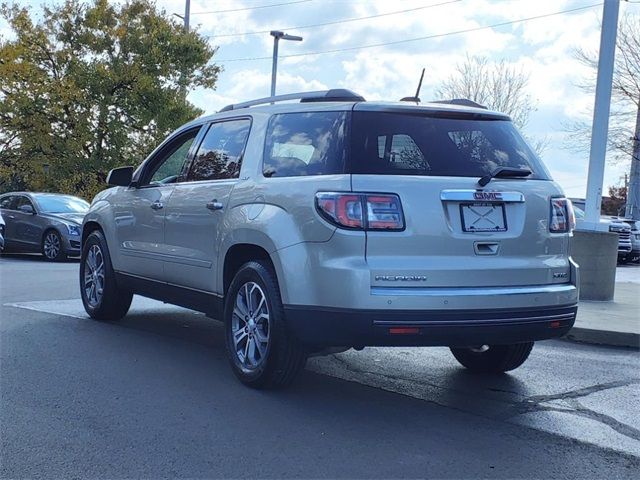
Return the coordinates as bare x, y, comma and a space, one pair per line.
563, 219
361, 211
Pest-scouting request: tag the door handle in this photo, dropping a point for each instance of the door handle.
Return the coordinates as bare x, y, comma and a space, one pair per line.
214, 205
157, 205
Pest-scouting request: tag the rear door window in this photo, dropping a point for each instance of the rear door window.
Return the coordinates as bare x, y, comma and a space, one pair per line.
409, 144
10, 202
300, 144
219, 156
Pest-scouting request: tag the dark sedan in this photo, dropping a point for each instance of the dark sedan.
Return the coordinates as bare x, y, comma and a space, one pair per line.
47, 223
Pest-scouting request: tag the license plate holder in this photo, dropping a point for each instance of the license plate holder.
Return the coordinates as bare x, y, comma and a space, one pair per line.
483, 217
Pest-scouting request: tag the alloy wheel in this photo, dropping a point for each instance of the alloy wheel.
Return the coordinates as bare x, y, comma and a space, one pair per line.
94, 276
51, 245
250, 326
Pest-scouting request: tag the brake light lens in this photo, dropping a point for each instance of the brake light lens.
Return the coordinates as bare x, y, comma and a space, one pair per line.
361, 211
563, 218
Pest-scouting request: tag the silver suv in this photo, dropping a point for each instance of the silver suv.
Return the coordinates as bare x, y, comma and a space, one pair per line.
334, 223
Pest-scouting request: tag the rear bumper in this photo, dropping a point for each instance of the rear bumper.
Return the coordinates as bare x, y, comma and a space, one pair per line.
355, 328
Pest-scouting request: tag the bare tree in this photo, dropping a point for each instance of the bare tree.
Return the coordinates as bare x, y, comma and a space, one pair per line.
497, 85
624, 120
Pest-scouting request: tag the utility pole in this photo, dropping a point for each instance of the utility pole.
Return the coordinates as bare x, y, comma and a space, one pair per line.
632, 209
187, 14
600, 127
277, 35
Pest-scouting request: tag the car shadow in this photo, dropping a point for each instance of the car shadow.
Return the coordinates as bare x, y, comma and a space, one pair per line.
456, 386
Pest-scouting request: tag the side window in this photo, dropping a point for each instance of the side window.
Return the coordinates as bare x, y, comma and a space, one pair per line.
173, 159
23, 201
305, 144
220, 153
9, 202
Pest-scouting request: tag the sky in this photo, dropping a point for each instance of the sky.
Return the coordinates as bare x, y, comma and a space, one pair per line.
542, 47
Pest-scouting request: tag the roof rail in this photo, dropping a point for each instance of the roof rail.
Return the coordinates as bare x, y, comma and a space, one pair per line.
465, 102
333, 95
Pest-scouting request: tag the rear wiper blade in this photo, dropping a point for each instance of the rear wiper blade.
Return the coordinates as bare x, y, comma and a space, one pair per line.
504, 172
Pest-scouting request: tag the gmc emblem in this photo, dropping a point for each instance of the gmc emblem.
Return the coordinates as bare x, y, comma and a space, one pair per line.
487, 195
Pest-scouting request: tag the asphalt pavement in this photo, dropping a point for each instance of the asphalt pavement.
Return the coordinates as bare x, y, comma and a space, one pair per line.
152, 396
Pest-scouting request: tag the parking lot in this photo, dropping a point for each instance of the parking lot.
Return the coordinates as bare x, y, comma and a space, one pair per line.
153, 396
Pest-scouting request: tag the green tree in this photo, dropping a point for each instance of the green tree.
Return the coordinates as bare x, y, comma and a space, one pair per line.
92, 86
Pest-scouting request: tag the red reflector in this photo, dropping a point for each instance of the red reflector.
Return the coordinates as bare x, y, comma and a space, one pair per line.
555, 324
404, 331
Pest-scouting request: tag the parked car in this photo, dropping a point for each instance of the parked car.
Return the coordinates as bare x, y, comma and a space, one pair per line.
1, 233
634, 255
612, 224
48, 223
338, 223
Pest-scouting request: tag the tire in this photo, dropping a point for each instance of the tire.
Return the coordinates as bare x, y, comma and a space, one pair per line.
113, 302
495, 359
273, 363
52, 247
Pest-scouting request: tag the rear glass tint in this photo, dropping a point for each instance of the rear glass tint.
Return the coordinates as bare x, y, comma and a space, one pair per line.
300, 144
401, 144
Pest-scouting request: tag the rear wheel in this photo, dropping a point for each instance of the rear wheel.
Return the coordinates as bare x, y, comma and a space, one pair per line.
262, 352
101, 296
52, 248
493, 358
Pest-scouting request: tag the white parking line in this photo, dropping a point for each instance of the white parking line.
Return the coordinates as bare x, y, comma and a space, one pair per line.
73, 308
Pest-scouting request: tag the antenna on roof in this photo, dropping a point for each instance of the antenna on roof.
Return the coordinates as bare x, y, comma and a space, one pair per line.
417, 97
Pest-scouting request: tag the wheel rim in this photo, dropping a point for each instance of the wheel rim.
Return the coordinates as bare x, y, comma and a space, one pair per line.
94, 276
51, 245
250, 326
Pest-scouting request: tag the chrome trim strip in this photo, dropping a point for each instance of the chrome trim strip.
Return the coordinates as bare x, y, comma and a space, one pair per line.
466, 195
472, 291
480, 321
163, 257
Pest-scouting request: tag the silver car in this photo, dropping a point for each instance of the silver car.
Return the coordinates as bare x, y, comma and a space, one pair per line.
46, 223
334, 223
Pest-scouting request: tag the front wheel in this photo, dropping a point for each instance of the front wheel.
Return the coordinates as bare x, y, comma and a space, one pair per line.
493, 358
52, 248
261, 350
101, 296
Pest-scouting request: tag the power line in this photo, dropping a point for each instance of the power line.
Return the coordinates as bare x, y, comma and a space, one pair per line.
428, 37
346, 20
251, 8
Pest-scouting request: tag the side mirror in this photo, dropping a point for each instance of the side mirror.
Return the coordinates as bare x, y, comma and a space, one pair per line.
27, 209
120, 177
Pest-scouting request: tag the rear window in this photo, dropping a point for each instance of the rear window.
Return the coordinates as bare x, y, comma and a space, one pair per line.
301, 144
401, 144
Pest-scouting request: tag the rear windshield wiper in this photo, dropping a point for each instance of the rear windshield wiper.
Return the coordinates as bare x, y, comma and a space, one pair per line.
504, 172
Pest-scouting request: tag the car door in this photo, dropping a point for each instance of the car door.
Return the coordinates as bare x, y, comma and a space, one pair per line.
8, 206
139, 211
197, 206
27, 226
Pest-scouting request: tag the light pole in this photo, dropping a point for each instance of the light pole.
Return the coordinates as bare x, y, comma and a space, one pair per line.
277, 35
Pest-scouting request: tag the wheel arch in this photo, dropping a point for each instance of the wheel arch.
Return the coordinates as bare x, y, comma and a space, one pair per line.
50, 228
239, 254
87, 229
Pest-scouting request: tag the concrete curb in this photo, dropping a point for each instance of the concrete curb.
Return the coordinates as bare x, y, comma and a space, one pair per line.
604, 337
